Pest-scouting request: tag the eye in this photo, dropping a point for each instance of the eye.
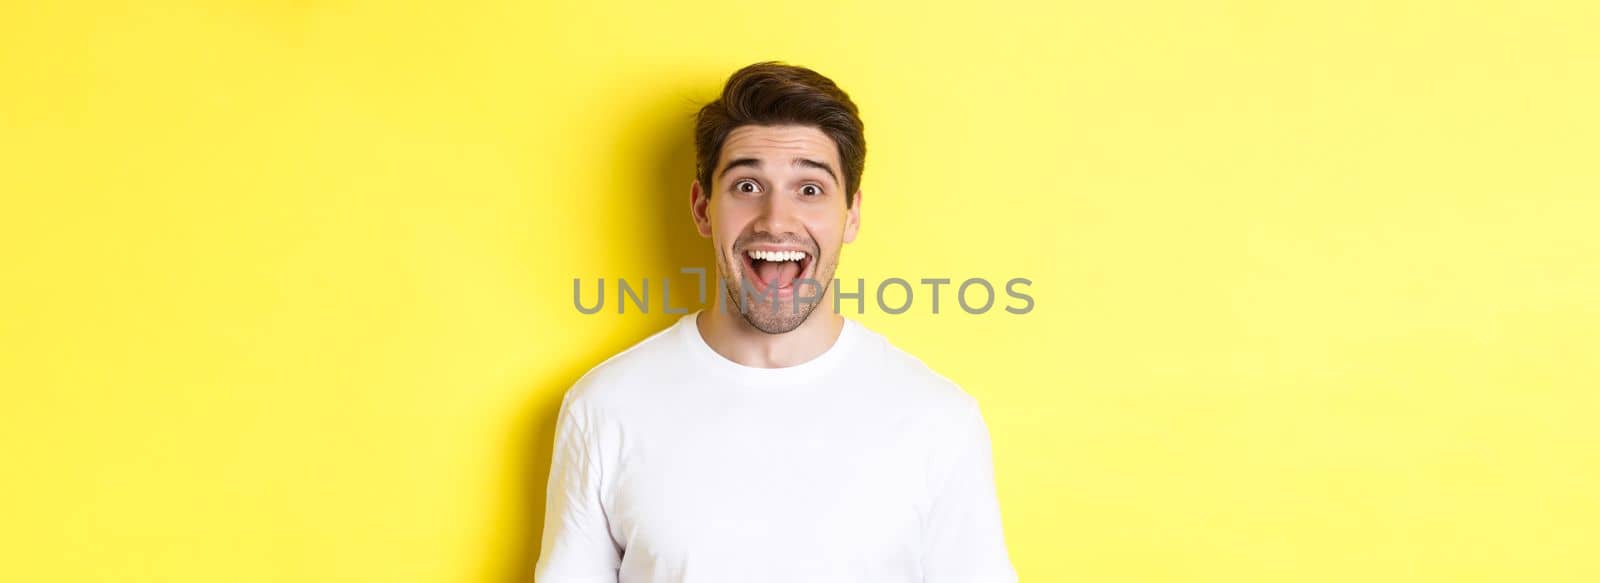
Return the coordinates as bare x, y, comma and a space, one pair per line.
747, 186
811, 190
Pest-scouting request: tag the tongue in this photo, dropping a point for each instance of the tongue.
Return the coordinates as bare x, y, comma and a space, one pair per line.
778, 273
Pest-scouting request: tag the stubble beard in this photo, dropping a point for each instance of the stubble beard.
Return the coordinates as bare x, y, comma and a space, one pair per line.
758, 309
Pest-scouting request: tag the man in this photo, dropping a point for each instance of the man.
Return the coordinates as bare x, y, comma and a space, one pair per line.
768, 440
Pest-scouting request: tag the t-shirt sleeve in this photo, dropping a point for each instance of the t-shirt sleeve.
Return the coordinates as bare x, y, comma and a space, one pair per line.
577, 546
963, 539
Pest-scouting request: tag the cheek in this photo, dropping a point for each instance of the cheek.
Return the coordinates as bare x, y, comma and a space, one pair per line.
727, 223
826, 227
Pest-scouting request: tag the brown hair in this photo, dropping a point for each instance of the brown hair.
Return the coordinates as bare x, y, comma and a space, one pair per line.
772, 93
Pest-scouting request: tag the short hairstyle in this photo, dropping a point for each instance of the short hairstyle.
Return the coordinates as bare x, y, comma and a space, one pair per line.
773, 93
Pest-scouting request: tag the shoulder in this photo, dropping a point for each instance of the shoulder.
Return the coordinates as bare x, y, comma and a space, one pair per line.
636, 368
913, 381
947, 420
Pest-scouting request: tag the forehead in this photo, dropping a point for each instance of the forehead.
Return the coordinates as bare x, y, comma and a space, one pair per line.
779, 143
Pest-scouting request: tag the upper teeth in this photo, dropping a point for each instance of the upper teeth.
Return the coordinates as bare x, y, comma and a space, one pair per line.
777, 255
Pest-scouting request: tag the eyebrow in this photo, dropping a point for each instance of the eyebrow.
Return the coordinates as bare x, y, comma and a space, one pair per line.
806, 162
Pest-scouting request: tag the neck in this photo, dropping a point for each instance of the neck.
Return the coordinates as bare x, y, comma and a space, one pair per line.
727, 332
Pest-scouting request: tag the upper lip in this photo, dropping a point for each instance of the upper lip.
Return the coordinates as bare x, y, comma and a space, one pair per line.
775, 248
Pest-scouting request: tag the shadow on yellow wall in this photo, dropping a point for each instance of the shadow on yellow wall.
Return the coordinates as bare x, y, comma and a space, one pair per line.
663, 199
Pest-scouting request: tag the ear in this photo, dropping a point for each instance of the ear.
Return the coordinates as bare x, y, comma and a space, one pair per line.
852, 219
700, 208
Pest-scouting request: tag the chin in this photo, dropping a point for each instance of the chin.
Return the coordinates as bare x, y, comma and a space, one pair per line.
760, 312
781, 321
767, 291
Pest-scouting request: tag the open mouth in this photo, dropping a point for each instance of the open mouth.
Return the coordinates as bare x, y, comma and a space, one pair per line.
776, 268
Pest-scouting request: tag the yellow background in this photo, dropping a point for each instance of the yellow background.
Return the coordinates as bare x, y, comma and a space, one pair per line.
287, 285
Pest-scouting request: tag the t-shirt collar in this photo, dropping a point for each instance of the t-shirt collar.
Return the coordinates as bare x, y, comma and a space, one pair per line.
708, 358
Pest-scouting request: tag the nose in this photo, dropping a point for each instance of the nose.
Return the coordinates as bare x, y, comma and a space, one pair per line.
777, 216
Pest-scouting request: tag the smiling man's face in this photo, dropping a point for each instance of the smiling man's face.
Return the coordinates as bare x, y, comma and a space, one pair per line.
776, 213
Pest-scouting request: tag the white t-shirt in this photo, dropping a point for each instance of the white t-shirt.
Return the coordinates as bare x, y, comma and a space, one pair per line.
673, 464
